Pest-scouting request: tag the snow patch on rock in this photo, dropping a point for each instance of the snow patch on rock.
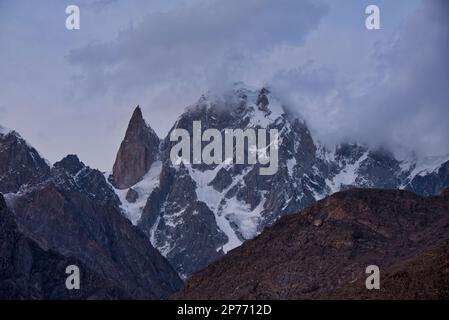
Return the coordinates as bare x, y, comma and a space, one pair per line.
347, 176
149, 182
213, 199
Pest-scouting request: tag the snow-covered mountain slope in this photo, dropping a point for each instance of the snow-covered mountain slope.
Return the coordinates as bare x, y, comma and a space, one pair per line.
133, 200
427, 176
195, 213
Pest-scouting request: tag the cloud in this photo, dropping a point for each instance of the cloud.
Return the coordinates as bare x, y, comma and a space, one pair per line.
401, 102
203, 43
389, 92
410, 107
99, 5
384, 87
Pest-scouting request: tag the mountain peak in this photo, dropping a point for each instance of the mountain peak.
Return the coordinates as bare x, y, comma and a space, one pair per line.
137, 152
136, 122
258, 106
137, 114
20, 163
71, 163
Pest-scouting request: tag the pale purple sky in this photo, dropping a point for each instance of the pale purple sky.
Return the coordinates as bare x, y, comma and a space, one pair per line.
74, 91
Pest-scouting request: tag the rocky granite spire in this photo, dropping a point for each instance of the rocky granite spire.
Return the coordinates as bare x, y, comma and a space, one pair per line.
137, 152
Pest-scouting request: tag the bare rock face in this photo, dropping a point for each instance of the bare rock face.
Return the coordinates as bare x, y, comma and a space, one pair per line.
20, 164
404, 234
71, 215
137, 152
132, 195
29, 272
78, 216
431, 183
195, 228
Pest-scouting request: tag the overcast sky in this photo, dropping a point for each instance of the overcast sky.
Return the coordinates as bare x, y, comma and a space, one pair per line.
74, 91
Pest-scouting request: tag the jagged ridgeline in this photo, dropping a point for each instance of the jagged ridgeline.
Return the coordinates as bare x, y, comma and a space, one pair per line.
55, 216
194, 214
135, 230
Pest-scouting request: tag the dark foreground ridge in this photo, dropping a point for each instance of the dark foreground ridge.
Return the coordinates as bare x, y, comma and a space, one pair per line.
424, 276
29, 272
53, 217
323, 251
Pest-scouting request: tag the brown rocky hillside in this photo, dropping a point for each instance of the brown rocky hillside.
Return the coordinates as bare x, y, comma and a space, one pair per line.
323, 251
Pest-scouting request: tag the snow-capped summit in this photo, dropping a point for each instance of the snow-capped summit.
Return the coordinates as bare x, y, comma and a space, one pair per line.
195, 213
137, 152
